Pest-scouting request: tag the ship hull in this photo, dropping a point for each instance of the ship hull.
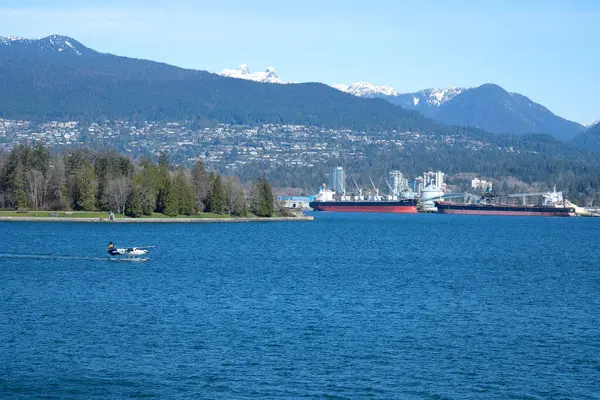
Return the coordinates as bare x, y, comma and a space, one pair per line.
396, 207
497, 209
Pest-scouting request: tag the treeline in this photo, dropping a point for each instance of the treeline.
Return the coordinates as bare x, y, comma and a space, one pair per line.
33, 178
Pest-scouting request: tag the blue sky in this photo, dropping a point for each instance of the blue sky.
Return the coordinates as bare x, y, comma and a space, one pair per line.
547, 50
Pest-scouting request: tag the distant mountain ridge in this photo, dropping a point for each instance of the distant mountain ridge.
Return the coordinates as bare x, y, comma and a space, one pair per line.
489, 106
57, 78
492, 108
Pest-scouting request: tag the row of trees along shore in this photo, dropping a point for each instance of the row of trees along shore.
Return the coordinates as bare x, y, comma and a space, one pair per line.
33, 178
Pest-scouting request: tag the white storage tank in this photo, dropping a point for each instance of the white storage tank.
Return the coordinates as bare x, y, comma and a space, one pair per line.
428, 195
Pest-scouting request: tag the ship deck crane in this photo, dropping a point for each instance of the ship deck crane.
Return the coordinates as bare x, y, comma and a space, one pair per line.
375, 189
525, 195
359, 194
394, 193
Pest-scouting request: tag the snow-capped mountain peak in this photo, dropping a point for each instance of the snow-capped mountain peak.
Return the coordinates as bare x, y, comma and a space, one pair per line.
243, 72
366, 89
271, 75
48, 44
242, 69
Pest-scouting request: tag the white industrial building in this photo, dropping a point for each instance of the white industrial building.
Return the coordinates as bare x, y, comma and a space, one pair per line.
477, 183
398, 183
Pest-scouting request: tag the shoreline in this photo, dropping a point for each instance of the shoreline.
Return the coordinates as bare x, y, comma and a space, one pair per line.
155, 220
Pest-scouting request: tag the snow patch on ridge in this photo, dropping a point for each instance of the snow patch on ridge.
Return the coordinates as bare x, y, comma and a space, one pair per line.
437, 97
243, 72
73, 47
366, 89
9, 39
50, 43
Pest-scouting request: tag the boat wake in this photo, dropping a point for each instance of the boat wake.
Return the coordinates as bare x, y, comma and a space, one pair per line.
61, 257
131, 259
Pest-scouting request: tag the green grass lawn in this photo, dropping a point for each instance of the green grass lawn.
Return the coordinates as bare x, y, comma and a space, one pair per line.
203, 215
61, 214
98, 214
103, 214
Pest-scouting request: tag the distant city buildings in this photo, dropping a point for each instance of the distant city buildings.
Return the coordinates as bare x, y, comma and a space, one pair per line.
231, 148
416, 185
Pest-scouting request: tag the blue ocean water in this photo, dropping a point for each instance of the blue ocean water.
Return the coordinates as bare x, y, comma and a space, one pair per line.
348, 306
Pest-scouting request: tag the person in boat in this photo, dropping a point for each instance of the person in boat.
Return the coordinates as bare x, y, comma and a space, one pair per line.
112, 250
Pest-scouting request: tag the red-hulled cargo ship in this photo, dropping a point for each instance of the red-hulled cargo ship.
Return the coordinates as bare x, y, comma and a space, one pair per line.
407, 206
325, 201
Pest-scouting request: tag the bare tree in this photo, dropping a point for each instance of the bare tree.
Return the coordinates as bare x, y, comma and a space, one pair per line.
57, 183
118, 192
46, 187
35, 188
234, 194
6, 199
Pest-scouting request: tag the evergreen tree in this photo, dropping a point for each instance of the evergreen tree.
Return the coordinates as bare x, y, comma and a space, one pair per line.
39, 158
170, 200
187, 206
217, 203
133, 208
147, 199
19, 182
102, 186
84, 190
201, 184
262, 198
162, 180
267, 194
184, 193
208, 198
